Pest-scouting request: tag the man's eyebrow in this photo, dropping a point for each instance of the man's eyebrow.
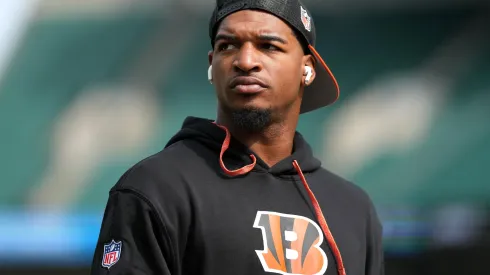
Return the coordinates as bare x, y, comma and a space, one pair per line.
272, 38
227, 37
262, 37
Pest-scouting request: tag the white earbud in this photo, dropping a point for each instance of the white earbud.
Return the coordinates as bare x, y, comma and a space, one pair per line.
210, 74
308, 73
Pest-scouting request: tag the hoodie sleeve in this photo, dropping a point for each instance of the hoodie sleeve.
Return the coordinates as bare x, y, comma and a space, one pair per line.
375, 253
133, 239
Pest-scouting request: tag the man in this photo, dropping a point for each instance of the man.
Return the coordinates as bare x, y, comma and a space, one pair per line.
244, 195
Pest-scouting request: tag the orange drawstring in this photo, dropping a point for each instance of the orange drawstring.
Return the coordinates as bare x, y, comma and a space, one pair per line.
318, 211
322, 221
240, 171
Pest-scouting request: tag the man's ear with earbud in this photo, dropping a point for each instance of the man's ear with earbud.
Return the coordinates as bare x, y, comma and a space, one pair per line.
309, 73
210, 69
210, 74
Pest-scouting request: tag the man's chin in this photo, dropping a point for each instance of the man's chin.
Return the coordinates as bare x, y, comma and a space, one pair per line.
251, 119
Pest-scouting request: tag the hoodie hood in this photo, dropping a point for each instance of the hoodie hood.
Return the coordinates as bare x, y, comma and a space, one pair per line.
237, 155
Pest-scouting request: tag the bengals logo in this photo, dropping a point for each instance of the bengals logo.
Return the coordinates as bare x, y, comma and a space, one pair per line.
291, 244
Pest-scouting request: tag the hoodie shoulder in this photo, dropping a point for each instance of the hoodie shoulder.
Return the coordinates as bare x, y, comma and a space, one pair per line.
342, 183
161, 173
338, 193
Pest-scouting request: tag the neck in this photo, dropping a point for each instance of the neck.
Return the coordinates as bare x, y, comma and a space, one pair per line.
272, 145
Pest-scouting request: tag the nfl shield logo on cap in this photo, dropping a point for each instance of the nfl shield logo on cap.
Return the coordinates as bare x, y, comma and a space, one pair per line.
112, 253
306, 19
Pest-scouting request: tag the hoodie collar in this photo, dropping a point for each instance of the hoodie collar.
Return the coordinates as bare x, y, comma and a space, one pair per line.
209, 134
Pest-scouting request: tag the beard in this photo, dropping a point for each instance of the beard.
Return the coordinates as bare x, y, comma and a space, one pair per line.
252, 120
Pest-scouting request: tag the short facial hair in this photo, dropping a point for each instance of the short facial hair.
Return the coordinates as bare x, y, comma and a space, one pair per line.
252, 120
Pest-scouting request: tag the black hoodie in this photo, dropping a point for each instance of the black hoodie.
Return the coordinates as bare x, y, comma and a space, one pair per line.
188, 210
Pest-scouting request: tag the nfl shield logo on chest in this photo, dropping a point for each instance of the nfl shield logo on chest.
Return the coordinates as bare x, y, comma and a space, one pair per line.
112, 253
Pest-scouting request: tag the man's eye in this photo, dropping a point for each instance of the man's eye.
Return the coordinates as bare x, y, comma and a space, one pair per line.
225, 47
269, 47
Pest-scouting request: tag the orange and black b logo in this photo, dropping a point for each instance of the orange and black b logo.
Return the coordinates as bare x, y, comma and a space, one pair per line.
291, 244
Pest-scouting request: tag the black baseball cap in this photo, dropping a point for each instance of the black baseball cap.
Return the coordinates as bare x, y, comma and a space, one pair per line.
324, 90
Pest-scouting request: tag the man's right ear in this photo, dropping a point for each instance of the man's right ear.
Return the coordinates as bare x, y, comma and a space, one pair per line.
210, 57
210, 74
210, 69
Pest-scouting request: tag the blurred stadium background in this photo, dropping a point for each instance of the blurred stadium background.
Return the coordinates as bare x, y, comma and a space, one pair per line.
89, 87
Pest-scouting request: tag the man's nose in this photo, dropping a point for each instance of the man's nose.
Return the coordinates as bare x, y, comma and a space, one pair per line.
247, 59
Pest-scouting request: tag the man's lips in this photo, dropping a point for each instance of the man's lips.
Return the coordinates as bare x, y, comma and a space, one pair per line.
247, 85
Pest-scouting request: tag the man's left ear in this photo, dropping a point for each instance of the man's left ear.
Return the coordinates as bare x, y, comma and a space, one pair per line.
309, 70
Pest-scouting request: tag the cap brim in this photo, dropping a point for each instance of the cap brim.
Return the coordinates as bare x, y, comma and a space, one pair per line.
324, 90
